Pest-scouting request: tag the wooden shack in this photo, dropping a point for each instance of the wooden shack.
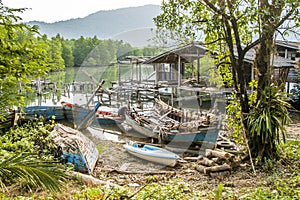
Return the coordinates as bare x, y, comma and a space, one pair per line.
170, 65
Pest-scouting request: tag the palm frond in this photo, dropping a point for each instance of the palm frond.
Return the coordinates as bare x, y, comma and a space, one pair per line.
38, 173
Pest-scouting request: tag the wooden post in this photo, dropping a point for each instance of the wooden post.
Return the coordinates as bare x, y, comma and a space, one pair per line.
131, 70
98, 88
252, 76
119, 73
193, 70
39, 86
156, 74
198, 67
140, 72
136, 71
179, 71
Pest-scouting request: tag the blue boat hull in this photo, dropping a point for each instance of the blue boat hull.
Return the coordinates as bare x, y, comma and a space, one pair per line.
76, 148
80, 117
107, 121
206, 134
48, 113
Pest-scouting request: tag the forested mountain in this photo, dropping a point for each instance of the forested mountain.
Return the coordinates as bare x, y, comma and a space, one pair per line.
106, 24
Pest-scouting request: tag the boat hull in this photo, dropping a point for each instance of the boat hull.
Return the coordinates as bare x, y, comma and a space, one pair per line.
79, 116
48, 113
206, 134
102, 117
103, 120
76, 148
141, 129
153, 154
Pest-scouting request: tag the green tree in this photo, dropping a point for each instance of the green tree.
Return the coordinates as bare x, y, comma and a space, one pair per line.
233, 28
67, 53
55, 54
151, 51
22, 58
81, 49
123, 50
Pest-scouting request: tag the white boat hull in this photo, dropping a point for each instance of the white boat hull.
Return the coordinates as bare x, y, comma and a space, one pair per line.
155, 154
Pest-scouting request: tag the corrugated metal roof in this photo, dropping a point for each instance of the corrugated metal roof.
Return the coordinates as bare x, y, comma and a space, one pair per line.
187, 53
138, 59
288, 44
276, 61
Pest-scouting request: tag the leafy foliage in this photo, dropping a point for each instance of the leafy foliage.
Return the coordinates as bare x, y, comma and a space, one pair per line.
32, 172
21, 58
27, 158
267, 121
291, 151
170, 190
234, 120
32, 138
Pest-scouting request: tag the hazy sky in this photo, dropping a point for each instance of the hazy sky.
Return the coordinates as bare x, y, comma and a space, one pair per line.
56, 10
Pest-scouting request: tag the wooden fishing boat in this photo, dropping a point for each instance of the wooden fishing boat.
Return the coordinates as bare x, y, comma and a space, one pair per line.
153, 154
75, 148
79, 116
168, 130
102, 117
48, 113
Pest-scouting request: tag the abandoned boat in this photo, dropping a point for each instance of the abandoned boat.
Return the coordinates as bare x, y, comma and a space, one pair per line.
152, 154
76, 148
58, 113
79, 116
167, 130
102, 117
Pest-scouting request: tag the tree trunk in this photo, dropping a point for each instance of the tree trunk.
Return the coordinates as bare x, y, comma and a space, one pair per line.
265, 148
263, 65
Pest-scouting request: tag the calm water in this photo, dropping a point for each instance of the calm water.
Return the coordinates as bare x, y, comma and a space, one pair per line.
66, 90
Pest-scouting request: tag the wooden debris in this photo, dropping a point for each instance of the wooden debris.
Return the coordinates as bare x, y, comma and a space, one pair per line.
124, 167
90, 180
217, 168
193, 159
219, 154
225, 144
218, 163
140, 172
201, 168
207, 162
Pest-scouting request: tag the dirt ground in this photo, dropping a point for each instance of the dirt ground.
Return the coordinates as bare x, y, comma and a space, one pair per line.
293, 131
115, 165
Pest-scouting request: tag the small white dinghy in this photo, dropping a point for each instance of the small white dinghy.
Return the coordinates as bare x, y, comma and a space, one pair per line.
153, 154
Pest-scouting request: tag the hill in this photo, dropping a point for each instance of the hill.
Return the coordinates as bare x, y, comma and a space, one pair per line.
136, 21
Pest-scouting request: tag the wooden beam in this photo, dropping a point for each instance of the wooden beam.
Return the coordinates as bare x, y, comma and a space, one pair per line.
179, 71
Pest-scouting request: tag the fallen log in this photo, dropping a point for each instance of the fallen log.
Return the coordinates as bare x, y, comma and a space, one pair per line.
140, 172
89, 179
217, 168
193, 159
216, 160
207, 162
200, 168
225, 144
219, 154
